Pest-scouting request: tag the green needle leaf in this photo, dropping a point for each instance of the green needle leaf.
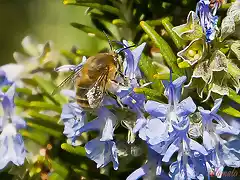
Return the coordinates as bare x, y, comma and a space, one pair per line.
59, 168
91, 31
230, 111
176, 39
50, 131
163, 46
55, 176
45, 106
79, 150
91, 4
234, 96
48, 121
35, 136
146, 66
48, 87
148, 92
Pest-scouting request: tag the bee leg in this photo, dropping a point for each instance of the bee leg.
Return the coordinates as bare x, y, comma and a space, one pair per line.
116, 98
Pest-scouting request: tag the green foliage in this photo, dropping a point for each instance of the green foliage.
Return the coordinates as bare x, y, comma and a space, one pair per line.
213, 73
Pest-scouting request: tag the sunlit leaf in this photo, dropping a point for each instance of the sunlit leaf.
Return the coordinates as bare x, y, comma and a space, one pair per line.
92, 4
227, 27
163, 46
79, 150
91, 31
176, 39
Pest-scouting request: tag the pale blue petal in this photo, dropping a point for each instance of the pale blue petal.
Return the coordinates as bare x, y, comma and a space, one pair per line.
159, 168
74, 118
195, 146
178, 87
234, 145
94, 125
171, 150
11, 147
114, 155
95, 151
220, 129
13, 71
107, 132
18, 122
186, 107
65, 68
142, 133
231, 158
3, 78
179, 81
138, 173
156, 109
140, 123
108, 121
102, 152
137, 52
156, 131
208, 141
8, 101
109, 101
217, 104
128, 65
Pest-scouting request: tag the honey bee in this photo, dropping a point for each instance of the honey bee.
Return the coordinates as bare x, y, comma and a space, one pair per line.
95, 77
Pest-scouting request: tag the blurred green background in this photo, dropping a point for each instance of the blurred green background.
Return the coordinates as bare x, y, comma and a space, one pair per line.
44, 20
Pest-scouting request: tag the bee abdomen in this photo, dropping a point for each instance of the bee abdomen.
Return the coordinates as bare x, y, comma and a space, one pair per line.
83, 103
81, 97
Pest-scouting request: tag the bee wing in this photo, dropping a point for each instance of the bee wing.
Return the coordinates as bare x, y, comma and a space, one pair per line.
96, 92
68, 79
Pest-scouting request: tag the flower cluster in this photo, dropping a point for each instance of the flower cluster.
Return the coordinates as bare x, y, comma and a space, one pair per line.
11, 142
213, 68
208, 18
102, 149
168, 130
194, 136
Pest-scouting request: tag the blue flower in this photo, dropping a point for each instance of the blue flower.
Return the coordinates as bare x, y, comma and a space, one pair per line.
3, 78
151, 169
165, 115
11, 143
104, 124
210, 129
126, 94
208, 18
73, 118
130, 64
102, 149
174, 122
220, 152
73, 68
102, 152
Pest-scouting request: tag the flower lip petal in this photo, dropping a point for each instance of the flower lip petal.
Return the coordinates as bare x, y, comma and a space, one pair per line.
138, 172
156, 109
65, 68
186, 107
195, 146
208, 141
217, 104
179, 81
171, 150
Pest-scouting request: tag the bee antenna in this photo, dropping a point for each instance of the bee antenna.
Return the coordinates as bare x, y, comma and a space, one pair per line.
109, 41
122, 49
